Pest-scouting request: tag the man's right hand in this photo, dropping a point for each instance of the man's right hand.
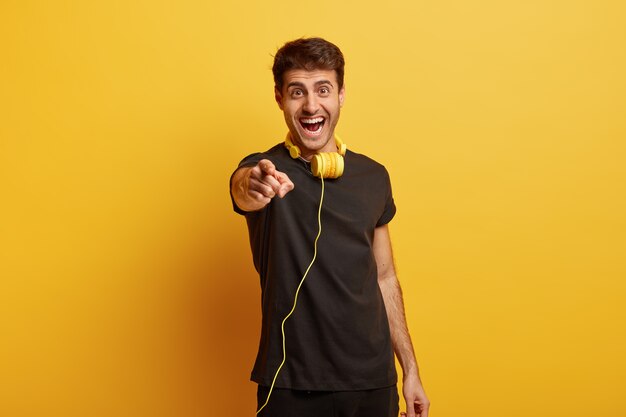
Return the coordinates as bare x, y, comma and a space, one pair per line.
254, 187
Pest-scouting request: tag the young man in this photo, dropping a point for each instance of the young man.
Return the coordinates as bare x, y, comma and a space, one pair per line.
349, 318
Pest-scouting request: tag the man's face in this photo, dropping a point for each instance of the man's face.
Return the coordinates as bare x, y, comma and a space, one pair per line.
310, 101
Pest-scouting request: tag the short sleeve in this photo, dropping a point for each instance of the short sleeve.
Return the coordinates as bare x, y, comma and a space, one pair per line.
390, 207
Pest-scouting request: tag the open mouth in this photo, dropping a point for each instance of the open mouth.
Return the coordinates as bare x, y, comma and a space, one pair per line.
312, 125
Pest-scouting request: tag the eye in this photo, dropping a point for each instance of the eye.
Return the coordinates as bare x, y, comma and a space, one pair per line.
324, 91
297, 93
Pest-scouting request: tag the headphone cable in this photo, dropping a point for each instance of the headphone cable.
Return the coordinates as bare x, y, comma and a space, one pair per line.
295, 300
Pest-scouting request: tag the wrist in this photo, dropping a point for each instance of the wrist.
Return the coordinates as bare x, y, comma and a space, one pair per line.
410, 373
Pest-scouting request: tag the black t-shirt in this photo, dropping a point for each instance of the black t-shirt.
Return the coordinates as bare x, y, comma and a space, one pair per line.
338, 337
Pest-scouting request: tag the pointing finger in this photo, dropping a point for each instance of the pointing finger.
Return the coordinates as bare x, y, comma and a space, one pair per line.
267, 167
286, 184
285, 188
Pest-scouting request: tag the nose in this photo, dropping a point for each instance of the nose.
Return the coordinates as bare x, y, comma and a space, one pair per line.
311, 105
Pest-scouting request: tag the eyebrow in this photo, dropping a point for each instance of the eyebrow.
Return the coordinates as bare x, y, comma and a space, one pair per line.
301, 84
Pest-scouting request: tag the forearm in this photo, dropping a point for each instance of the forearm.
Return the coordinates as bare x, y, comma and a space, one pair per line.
412, 389
400, 337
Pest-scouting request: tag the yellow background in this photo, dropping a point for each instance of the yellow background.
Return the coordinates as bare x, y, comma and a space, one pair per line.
126, 284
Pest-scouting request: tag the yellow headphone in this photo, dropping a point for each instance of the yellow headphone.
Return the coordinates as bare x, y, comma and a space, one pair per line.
323, 164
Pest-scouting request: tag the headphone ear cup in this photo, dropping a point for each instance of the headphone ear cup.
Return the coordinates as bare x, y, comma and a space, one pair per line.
294, 151
327, 165
318, 165
331, 165
339, 164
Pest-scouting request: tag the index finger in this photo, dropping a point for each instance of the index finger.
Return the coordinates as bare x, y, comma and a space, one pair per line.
267, 167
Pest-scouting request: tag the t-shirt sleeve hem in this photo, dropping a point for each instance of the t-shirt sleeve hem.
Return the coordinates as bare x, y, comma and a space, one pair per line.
387, 216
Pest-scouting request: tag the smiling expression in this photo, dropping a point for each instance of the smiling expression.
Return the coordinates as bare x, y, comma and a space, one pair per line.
311, 103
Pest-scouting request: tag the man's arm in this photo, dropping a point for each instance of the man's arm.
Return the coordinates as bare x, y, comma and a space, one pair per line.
254, 187
414, 395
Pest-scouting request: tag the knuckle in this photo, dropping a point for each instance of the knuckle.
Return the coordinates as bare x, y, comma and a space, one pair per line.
261, 198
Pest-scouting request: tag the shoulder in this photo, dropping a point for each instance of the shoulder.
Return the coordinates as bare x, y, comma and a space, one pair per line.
364, 162
276, 153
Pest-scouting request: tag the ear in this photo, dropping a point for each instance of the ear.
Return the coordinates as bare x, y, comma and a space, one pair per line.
278, 96
342, 95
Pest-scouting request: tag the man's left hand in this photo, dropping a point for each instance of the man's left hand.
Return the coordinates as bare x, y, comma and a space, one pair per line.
416, 400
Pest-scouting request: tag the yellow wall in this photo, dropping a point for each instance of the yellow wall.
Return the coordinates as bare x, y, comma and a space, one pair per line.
126, 287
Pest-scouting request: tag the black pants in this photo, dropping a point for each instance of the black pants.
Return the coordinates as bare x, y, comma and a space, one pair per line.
381, 402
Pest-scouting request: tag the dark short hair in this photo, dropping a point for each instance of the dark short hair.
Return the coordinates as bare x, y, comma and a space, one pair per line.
308, 54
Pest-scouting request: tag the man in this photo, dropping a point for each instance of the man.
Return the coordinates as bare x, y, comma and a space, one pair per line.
349, 319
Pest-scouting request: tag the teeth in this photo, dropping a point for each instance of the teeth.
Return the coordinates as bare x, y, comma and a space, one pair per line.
312, 121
